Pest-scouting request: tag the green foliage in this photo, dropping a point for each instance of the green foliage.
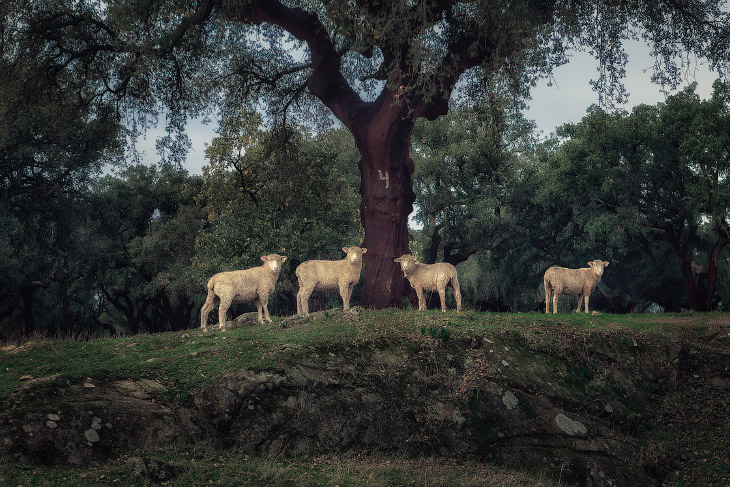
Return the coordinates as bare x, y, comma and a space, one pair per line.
53, 142
650, 187
180, 56
646, 190
439, 333
465, 169
146, 231
277, 192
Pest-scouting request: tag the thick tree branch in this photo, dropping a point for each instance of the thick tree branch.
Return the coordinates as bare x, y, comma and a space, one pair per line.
326, 81
460, 58
164, 46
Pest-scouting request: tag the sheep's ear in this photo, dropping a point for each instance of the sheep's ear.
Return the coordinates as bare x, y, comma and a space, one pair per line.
590, 263
346, 250
283, 258
605, 263
364, 251
264, 258
396, 259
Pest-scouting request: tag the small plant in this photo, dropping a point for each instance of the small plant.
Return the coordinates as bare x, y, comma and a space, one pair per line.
438, 332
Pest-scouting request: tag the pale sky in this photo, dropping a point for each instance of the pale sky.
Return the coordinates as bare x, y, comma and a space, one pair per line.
566, 101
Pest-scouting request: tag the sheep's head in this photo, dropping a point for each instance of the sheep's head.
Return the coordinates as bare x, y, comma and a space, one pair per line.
273, 262
598, 266
407, 262
354, 254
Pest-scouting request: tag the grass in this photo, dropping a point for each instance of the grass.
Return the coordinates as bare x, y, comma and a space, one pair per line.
234, 467
191, 359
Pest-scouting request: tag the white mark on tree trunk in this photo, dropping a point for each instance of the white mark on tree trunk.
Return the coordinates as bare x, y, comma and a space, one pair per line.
386, 178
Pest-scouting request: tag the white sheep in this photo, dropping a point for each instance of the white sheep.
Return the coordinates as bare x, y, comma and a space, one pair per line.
430, 277
573, 282
256, 283
327, 275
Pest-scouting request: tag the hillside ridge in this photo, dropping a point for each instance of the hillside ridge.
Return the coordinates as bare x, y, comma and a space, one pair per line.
600, 400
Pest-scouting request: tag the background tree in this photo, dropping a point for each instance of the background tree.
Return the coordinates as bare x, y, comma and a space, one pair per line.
651, 190
465, 164
53, 143
687, 190
147, 229
588, 182
377, 66
283, 191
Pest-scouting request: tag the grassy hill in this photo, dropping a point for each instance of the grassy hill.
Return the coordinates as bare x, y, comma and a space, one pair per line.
377, 398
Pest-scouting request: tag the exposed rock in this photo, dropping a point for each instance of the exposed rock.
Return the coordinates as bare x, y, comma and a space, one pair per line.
570, 426
141, 389
91, 435
88, 425
509, 400
351, 313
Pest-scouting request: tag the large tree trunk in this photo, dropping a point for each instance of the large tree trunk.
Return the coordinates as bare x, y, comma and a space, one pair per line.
387, 194
67, 322
26, 295
701, 291
432, 252
706, 279
685, 263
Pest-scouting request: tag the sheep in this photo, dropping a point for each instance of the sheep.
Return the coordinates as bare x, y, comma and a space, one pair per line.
256, 283
329, 274
573, 282
430, 277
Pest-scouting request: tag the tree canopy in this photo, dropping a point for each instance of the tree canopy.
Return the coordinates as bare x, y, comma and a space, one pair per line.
377, 66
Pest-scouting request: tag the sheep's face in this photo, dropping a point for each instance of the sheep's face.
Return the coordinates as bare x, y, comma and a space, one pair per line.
407, 263
598, 266
273, 262
354, 254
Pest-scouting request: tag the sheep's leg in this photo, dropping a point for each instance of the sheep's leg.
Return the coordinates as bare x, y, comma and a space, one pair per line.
556, 295
258, 309
299, 302
345, 295
580, 299
421, 299
442, 296
303, 297
206, 309
457, 293
548, 294
586, 302
264, 301
350, 286
226, 298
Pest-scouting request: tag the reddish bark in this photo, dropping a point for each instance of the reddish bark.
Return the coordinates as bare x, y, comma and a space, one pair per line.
685, 263
706, 279
386, 187
26, 295
700, 291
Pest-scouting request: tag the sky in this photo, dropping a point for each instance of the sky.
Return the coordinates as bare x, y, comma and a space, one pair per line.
571, 94
566, 101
